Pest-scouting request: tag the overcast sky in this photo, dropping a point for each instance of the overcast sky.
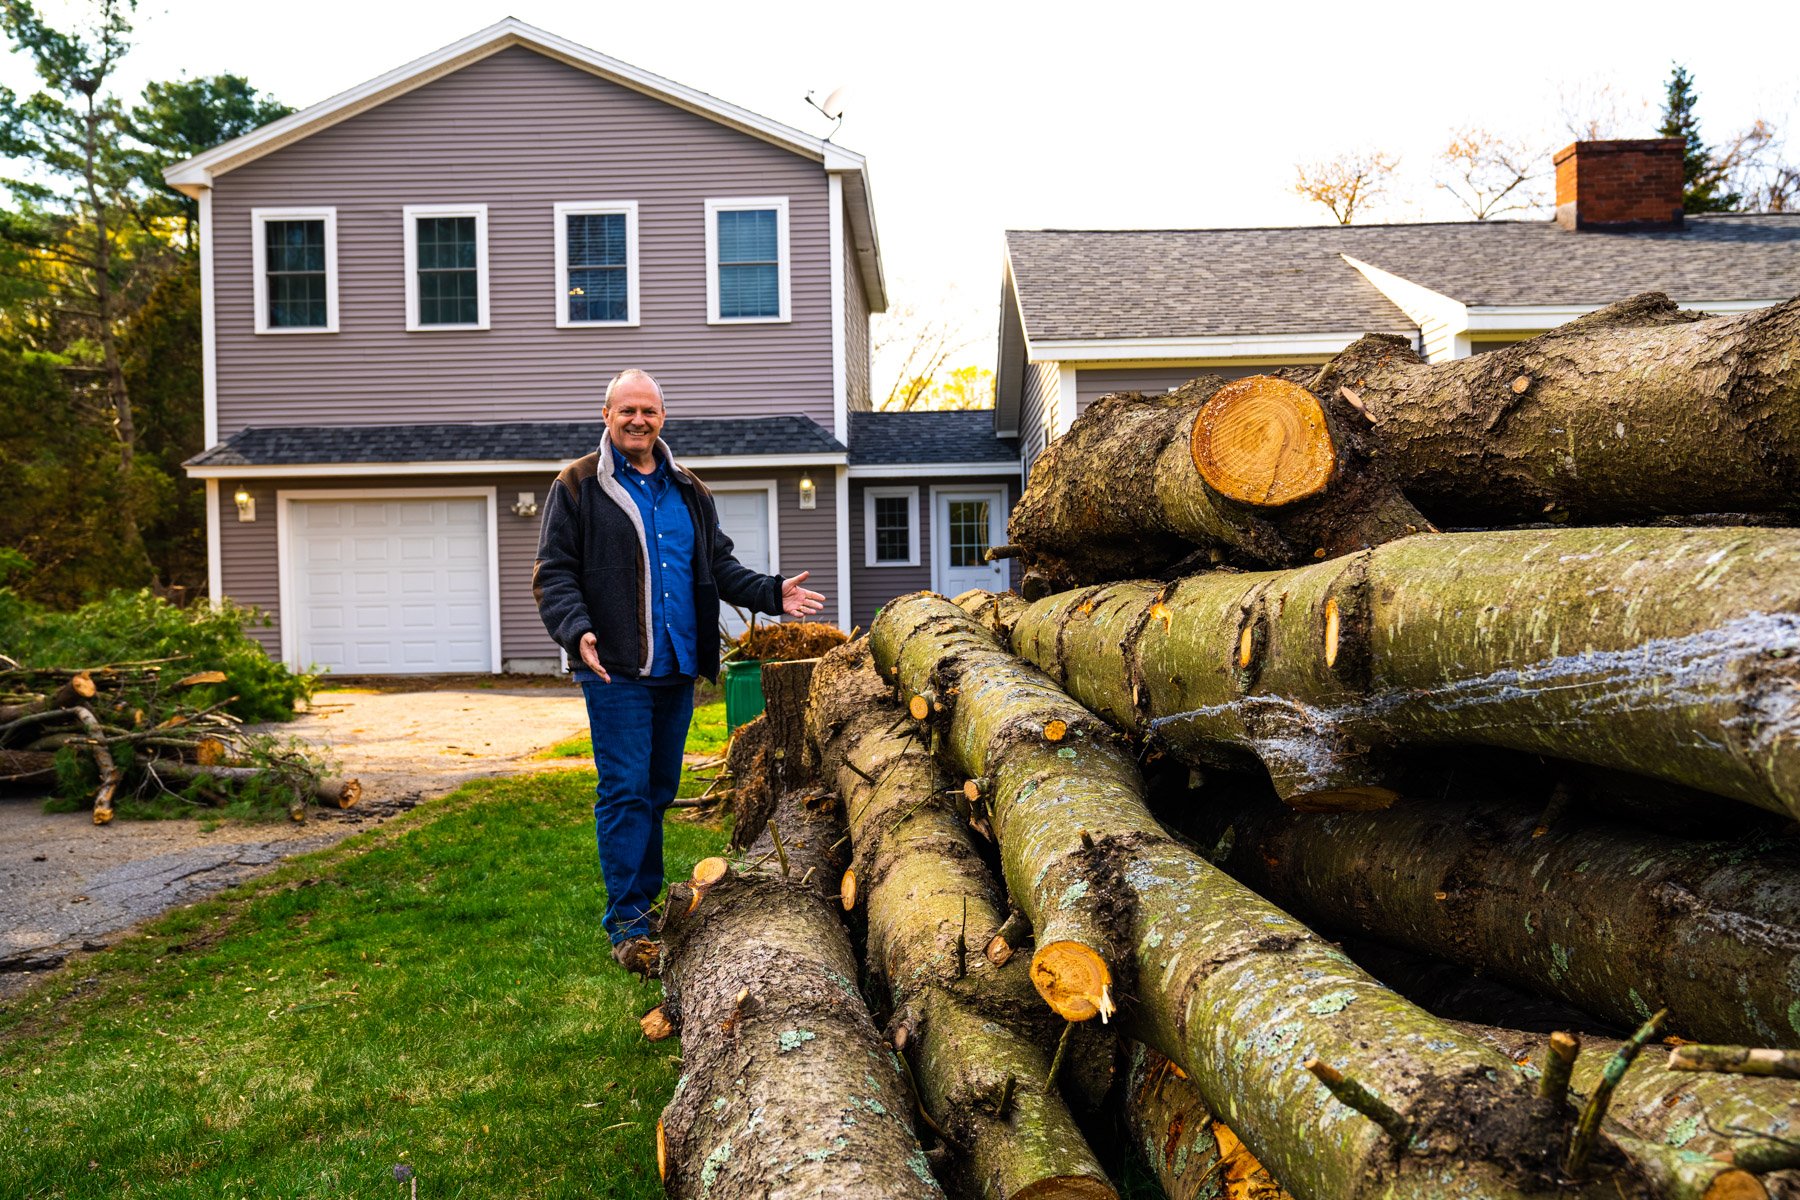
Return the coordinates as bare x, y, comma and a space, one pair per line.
979, 117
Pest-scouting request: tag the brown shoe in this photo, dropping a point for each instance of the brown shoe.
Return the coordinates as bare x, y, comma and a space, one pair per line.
640, 956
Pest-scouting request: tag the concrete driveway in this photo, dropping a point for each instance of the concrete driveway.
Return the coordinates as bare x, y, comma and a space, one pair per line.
67, 885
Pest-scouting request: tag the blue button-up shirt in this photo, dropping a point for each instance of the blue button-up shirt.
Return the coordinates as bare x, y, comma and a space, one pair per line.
669, 537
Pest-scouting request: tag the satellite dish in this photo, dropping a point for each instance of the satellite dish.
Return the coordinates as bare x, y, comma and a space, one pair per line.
834, 103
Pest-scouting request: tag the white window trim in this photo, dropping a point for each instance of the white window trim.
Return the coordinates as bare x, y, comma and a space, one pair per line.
285, 591
259, 253
411, 214
581, 208
742, 204
870, 495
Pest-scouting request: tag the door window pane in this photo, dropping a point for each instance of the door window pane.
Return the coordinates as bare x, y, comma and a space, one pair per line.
893, 529
597, 283
449, 292
294, 258
749, 264
968, 532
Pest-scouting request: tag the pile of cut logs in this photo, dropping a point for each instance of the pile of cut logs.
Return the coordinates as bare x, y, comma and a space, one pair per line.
1384, 766
129, 721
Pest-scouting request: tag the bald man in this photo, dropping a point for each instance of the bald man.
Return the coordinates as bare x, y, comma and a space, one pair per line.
631, 566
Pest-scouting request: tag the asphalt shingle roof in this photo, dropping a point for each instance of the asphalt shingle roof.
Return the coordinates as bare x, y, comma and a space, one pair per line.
515, 441
913, 438
1215, 282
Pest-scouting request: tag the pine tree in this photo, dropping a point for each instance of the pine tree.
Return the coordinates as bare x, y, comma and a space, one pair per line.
1702, 182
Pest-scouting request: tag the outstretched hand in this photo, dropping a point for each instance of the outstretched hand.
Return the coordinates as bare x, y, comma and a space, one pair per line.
797, 601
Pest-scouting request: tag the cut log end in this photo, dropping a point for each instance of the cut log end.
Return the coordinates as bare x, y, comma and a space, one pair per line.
1263, 441
1333, 627
1067, 1187
342, 792
656, 1025
1073, 980
971, 790
1056, 731
709, 871
919, 707
847, 890
999, 951
1736, 1185
662, 1152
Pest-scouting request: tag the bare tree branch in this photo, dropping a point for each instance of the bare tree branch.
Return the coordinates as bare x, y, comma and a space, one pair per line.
1346, 184
1489, 174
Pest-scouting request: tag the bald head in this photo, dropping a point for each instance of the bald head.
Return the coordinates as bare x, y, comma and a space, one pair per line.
636, 381
634, 417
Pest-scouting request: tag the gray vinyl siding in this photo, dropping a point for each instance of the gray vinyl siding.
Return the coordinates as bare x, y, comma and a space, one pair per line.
872, 587
1091, 383
519, 132
250, 557
856, 332
1037, 407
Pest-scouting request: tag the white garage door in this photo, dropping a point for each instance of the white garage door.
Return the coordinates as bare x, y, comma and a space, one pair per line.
390, 586
744, 516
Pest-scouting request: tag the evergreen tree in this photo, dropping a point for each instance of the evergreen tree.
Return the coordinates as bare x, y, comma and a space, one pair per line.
1703, 184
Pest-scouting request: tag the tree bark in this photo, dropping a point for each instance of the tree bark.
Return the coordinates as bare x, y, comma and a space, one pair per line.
1122, 495
1607, 918
786, 1088
1746, 1121
1231, 989
785, 686
1634, 410
1193, 1154
979, 1051
336, 793
1674, 653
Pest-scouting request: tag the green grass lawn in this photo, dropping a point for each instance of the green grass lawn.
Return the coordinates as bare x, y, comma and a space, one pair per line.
437, 993
707, 735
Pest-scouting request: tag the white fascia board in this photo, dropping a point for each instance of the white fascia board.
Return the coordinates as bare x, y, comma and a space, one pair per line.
199, 170
904, 471
859, 210
1267, 346
493, 467
1417, 301
1535, 318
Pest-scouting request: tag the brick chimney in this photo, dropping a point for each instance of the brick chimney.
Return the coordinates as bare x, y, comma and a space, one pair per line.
1628, 185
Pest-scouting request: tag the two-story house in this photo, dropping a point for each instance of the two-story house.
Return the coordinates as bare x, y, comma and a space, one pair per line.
415, 292
1088, 312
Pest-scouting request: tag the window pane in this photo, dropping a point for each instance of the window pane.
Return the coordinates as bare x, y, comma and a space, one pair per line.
446, 243
598, 294
747, 236
294, 259
597, 240
448, 298
750, 291
893, 529
449, 283
968, 532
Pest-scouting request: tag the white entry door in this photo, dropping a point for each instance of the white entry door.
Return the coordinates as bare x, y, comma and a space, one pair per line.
744, 516
390, 586
965, 522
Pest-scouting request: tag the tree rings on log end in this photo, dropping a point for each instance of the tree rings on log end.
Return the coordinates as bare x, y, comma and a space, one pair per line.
919, 707
662, 1152
1073, 980
709, 871
1067, 1187
847, 891
971, 790
1263, 441
656, 1024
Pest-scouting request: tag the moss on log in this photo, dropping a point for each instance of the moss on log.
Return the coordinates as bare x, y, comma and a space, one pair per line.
979, 1050
1123, 493
1636, 409
1674, 653
1230, 988
786, 1087
1606, 917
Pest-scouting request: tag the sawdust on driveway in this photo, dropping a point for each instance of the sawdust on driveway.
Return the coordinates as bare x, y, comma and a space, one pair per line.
67, 885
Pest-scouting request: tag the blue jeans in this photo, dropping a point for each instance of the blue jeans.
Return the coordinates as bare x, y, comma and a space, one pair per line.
639, 729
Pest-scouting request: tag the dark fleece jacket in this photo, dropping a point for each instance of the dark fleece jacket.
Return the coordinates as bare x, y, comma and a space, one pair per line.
593, 567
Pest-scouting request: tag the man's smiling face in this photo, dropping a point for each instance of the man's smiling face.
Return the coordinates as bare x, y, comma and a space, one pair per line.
634, 418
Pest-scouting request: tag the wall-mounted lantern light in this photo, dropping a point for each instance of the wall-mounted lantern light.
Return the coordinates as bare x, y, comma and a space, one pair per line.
526, 505
809, 492
246, 504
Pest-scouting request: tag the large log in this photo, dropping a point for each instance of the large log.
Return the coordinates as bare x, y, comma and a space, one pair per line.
1122, 493
1608, 918
1636, 409
329, 791
1234, 991
1674, 653
786, 1089
980, 1051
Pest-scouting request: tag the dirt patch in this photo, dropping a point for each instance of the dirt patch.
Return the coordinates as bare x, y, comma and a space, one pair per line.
68, 885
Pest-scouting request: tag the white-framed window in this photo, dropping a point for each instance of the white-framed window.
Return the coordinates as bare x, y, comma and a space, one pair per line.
596, 263
446, 266
294, 252
747, 260
891, 527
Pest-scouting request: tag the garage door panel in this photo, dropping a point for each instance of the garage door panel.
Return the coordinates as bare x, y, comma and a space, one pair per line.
744, 517
384, 586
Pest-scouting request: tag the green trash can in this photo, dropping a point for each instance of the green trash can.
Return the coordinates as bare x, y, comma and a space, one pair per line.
743, 692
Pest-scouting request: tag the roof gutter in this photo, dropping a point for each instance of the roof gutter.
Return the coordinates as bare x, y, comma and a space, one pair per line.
524, 466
